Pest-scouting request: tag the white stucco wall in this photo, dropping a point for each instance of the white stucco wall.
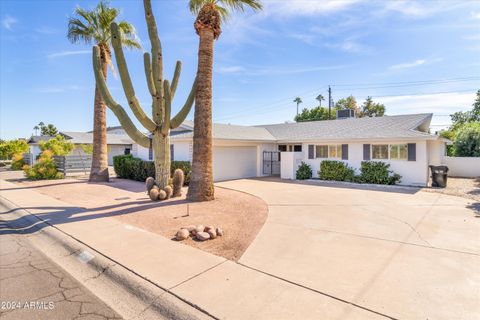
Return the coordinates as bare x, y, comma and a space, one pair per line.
462, 166
289, 164
436, 152
412, 172
181, 151
115, 150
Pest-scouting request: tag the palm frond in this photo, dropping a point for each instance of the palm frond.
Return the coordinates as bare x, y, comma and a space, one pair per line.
224, 7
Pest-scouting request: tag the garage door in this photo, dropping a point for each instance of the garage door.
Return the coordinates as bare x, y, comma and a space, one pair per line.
234, 163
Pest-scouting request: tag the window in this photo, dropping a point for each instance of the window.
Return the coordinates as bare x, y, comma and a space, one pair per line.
398, 152
297, 148
326, 151
335, 151
126, 151
282, 147
321, 151
380, 151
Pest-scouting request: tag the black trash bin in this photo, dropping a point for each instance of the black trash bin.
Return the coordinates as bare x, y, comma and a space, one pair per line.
439, 176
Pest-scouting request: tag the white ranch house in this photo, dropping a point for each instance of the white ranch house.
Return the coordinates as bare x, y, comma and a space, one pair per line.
403, 141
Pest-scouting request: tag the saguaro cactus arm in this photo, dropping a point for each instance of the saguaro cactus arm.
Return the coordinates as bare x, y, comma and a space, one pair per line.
117, 109
182, 114
127, 82
168, 108
157, 62
148, 74
176, 77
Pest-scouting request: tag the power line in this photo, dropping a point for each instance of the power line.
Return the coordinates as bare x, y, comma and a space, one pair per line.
468, 78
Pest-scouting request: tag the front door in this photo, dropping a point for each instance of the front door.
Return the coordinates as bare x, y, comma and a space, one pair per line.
271, 163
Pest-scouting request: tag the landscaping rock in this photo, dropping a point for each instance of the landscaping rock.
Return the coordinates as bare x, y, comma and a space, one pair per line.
153, 194
182, 234
162, 195
190, 228
202, 236
212, 233
219, 232
199, 228
207, 228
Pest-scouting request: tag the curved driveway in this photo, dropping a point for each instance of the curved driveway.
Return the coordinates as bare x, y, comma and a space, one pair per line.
406, 254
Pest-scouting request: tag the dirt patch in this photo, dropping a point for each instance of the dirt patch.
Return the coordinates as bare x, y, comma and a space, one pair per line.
240, 215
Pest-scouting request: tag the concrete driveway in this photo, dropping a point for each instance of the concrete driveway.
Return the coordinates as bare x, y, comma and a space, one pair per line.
407, 255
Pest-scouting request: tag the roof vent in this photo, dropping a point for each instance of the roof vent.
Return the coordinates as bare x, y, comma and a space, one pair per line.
345, 113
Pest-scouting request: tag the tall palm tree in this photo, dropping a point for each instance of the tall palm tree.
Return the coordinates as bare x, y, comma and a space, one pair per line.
320, 98
298, 100
210, 15
36, 128
93, 27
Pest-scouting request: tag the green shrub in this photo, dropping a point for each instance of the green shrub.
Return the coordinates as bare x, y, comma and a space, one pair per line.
17, 162
44, 169
11, 147
377, 172
304, 171
336, 170
467, 140
128, 167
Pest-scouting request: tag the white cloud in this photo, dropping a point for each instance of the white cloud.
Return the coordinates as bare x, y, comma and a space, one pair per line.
57, 89
414, 64
230, 69
274, 71
8, 22
349, 45
307, 7
67, 53
307, 38
472, 37
475, 15
47, 30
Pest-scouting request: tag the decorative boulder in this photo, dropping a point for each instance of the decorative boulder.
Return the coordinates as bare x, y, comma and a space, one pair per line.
182, 234
169, 191
153, 194
162, 195
199, 228
209, 228
190, 228
219, 232
149, 183
202, 236
212, 233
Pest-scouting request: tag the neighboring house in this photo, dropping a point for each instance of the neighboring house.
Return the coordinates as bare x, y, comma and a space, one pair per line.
403, 141
118, 142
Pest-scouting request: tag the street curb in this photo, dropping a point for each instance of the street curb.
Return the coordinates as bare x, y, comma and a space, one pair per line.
125, 291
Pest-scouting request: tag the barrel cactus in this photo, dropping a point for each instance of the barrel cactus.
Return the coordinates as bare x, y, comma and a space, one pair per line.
153, 194
178, 178
162, 195
169, 191
149, 183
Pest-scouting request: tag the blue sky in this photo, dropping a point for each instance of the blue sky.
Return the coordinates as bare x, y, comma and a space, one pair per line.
390, 50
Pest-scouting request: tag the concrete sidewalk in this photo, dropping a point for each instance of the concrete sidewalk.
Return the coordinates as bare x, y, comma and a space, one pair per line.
216, 286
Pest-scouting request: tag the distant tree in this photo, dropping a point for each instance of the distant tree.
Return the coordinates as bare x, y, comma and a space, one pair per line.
36, 128
348, 103
48, 130
58, 146
372, 109
467, 140
315, 114
298, 100
320, 98
87, 148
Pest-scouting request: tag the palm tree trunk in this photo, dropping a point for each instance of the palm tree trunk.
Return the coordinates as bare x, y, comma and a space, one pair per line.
201, 182
99, 170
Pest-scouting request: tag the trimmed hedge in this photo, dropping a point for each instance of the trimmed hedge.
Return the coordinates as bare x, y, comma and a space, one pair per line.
336, 170
377, 172
374, 172
304, 171
128, 167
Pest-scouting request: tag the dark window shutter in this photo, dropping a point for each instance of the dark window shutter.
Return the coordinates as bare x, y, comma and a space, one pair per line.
311, 151
172, 153
412, 152
366, 152
344, 151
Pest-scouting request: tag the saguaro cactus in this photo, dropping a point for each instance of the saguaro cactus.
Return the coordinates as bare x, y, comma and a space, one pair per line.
162, 92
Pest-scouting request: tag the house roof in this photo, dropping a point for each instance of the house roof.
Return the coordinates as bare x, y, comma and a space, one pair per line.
87, 137
231, 132
386, 127
37, 139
